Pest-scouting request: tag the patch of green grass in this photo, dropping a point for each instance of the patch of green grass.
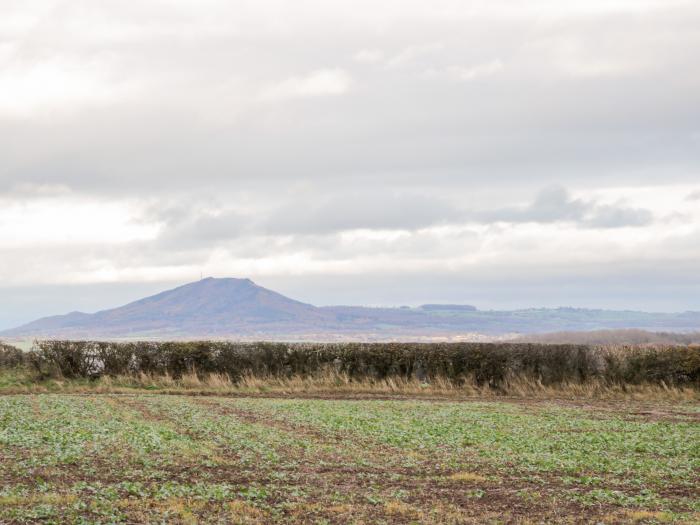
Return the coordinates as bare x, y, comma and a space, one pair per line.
13, 378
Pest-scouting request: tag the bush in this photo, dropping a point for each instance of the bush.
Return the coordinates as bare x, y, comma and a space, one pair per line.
10, 357
485, 363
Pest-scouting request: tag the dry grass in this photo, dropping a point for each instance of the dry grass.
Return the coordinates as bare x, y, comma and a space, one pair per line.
331, 383
646, 516
51, 498
467, 477
403, 510
242, 512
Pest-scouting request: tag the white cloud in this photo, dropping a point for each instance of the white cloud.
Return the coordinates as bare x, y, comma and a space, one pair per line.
55, 86
578, 58
64, 221
466, 74
320, 83
411, 54
369, 56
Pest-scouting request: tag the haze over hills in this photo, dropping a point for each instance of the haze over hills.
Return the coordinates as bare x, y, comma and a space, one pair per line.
238, 308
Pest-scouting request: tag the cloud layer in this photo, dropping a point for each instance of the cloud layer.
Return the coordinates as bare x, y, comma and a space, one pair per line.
352, 140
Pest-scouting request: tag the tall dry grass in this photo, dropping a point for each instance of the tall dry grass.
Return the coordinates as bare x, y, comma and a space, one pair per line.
333, 384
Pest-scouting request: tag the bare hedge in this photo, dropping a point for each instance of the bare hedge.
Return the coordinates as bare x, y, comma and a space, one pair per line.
485, 363
10, 356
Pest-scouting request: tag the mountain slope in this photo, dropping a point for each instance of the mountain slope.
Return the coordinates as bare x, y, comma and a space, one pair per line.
210, 306
238, 308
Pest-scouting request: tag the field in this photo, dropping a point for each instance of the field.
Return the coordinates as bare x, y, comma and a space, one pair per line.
154, 458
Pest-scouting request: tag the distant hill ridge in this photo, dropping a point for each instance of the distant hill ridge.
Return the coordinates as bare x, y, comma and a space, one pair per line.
448, 307
239, 308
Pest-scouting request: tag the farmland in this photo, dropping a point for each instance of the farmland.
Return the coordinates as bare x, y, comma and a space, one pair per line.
139, 458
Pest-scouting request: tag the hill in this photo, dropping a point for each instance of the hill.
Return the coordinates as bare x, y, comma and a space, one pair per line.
239, 308
210, 306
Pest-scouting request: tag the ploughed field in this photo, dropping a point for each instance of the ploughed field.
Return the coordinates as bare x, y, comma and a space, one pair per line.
186, 459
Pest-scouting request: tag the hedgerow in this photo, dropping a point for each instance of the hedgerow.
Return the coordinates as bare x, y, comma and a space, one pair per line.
10, 356
484, 363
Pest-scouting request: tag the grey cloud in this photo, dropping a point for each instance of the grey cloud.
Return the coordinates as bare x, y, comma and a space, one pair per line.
205, 230
550, 205
308, 216
195, 225
554, 204
311, 224
607, 216
29, 191
190, 116
411, 245
693, 196
361, 209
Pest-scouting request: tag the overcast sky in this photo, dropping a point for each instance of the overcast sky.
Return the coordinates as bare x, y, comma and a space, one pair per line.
500, 153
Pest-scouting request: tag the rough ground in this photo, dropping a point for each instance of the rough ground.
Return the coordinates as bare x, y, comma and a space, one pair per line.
186, 459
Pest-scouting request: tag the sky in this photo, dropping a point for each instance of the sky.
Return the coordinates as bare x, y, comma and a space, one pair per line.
499, 153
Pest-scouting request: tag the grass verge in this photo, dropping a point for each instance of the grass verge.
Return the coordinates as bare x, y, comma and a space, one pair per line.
333, 384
